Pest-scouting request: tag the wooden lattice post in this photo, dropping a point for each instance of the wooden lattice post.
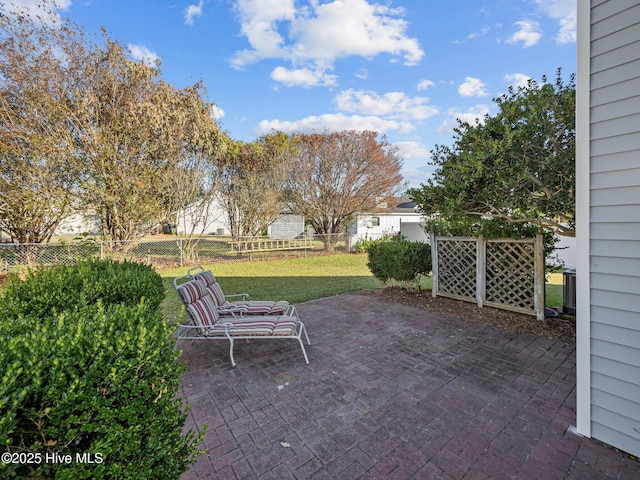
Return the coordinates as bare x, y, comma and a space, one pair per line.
481, 271
539, 277
434, 265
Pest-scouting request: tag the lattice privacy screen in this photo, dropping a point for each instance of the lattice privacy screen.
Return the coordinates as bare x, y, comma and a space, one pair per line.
510, 272
502, 273
457, 267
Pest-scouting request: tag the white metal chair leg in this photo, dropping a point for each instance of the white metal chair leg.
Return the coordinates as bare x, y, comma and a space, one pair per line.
304, 351
305, 333
226, 332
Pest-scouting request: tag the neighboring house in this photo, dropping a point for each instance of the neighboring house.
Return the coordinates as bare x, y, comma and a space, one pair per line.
212, 218
202, 219
401, 217
608, 222
79, 224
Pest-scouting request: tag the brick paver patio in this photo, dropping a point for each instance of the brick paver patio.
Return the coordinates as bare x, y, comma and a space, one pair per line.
392, 392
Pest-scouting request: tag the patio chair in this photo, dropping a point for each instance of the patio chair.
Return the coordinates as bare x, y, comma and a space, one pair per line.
207, 323
226, 304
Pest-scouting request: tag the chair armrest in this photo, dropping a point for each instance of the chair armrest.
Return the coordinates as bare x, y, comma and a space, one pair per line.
195, 270
233, 310
244, 296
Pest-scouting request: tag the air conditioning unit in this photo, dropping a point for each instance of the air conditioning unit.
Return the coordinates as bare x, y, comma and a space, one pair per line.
569, 291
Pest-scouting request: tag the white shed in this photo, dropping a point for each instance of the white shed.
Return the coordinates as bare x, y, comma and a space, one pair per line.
608, 222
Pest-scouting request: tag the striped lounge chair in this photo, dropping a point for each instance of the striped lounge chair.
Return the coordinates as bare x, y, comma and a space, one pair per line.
226, 305
207, 323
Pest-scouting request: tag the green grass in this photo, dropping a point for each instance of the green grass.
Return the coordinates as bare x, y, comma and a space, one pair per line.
293, 279
553, 290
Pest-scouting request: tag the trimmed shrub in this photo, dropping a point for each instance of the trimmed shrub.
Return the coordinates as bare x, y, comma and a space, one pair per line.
96, 382
47, 292
395, 258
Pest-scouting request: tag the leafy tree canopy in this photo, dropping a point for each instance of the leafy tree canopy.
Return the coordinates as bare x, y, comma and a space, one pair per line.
252, 184
84, 126
511, 174
335, 175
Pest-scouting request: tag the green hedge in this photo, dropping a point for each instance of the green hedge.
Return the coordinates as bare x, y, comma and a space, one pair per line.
395, 258
90, 373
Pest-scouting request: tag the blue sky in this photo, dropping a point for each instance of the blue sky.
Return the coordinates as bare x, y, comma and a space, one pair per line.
405, 68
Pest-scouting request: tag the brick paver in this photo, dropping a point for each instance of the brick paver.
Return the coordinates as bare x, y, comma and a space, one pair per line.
392, 392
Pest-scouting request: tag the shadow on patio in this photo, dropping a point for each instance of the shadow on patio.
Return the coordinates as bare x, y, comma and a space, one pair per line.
391, 392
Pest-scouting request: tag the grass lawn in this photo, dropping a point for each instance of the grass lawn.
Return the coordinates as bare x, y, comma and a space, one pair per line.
293, 279
302, 279
553, 290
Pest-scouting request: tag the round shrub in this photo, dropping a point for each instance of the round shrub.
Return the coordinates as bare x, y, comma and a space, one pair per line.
395, 258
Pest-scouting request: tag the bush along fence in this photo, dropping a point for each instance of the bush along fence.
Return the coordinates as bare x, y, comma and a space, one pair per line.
501, 273
89, 378
395, 258
165, 253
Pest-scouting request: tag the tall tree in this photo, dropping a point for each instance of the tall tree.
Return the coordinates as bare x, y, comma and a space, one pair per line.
253, 182
38, 65
81, 122
335, 175
136, 131
512, 173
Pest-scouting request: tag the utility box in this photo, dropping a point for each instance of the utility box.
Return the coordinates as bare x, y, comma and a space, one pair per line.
569, 291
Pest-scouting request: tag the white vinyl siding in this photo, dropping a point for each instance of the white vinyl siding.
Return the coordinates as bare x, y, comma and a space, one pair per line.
614, 214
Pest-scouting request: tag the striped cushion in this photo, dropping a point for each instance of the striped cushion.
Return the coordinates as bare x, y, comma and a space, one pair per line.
216, 292
190, 292
205, 277
249, 327
285, 327
261, 307
203, 313
279, 308
255, 308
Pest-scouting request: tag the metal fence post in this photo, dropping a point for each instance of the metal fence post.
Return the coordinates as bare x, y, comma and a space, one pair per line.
181, 249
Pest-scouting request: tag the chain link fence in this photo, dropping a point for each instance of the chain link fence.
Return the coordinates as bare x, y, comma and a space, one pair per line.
164, 253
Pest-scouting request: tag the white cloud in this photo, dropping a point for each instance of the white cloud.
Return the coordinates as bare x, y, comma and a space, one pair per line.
517, 80
217, 113
415, 176
362, 74
45, 10
472, 87
302, 77
564, 12
192, 11
395, 105
471, 115
334, 122
410, 149
316, 35
424, 84
259, 23
528, 33
353, 27
142, 54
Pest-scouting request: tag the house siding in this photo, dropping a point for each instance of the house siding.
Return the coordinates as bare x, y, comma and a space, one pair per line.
614, 217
